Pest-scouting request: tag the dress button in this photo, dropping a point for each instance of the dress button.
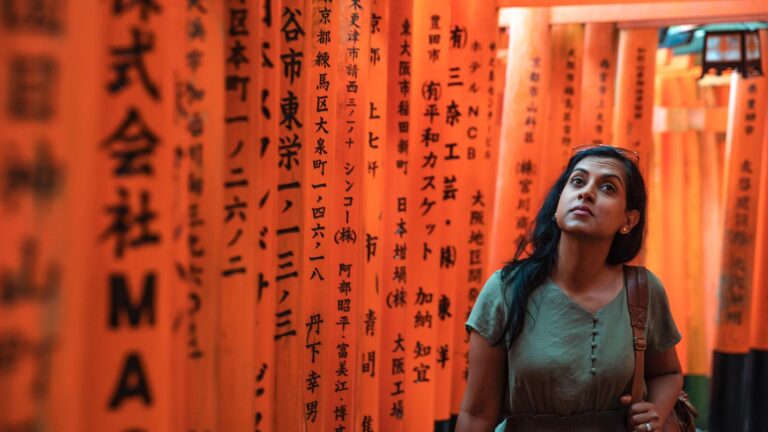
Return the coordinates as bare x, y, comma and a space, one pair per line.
594, 331
594, 319
593, 357
594, 371
594, 344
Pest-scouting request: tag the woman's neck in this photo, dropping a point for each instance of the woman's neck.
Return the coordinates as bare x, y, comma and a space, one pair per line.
581, 262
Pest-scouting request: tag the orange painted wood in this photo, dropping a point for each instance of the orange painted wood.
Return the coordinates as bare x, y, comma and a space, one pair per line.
746, 132
237, 244
453, 189
199, 114
699, 354
181, 173
496, 94
654, 252
670, 263
523, 133
37, 334
179, 191
712, 216
346, 226
586, 3
655, 234
671, 219
455, 197
317, 354
65, 403
567, 54
429, 105
634, 92
661, 13
763, 47
370, 324
267, 196
477, 60
759, 333
712, 208
396, 220
293, 123
598, 83
204, 218
677, 248
129, 330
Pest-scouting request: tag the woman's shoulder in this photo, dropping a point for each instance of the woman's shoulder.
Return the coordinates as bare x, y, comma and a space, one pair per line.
494, 282
488, 314
494, 292
655, 286
662, 331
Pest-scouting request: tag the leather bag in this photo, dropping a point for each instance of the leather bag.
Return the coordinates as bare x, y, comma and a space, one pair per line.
681, 419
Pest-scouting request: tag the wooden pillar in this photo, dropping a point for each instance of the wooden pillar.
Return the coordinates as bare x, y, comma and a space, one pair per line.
632, 122
567, 53
199, 113
129, 334
42, 192
598, 84
289, 58
268, 205
237, 296
346, 204
321, 60
523, 134
759, 334
370, 323
396, 221
429, 107
730, 375
477, 155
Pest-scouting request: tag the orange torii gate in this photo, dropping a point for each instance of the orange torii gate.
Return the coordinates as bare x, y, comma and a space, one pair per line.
277, 215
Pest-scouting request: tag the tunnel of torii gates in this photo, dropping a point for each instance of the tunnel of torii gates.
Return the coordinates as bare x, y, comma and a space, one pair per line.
275, 215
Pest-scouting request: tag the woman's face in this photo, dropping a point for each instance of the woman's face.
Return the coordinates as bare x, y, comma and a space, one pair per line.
594, 200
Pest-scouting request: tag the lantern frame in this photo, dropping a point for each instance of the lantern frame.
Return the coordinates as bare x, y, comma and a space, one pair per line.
747, 61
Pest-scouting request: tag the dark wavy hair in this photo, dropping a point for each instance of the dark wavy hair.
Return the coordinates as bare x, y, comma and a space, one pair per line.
536, 253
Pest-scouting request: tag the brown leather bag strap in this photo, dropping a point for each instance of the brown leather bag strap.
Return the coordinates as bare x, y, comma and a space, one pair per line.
636, 279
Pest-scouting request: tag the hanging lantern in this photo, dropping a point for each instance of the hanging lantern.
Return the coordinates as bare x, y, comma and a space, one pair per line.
733, 49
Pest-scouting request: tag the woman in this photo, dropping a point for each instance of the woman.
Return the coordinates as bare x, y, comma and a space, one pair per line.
551, 342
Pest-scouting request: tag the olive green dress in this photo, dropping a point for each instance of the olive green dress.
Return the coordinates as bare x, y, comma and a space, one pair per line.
569, 367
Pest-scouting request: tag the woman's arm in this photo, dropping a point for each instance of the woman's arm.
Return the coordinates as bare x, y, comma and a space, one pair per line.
664, 380
483, 399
